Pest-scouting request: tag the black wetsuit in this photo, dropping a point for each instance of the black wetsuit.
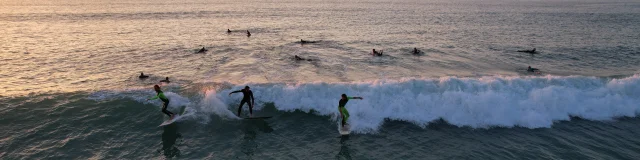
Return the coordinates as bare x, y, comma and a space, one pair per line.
248, 95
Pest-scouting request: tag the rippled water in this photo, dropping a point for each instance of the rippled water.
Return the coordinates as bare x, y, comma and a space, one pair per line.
68, 79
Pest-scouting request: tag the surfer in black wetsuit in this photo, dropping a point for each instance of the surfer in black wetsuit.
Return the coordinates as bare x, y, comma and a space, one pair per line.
142, 76
202, 50
228, 31
415, 51
248, 95
248, 33
376, 53
166, 80
533, 51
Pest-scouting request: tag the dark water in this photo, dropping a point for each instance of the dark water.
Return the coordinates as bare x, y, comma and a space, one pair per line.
70, 126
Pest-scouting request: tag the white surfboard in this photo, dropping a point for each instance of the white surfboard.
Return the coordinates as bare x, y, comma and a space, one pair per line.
175, 118
344, 130
169, 121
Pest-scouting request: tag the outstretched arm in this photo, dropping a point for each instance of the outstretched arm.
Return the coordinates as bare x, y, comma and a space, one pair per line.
235, 92
156, 97
355, 97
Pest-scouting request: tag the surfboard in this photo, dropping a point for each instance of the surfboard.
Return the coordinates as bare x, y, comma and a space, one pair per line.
175, 118
266, 117
344, 130
168, 122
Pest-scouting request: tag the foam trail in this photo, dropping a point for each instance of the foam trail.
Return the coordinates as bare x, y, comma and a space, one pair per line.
211, 104
531, 102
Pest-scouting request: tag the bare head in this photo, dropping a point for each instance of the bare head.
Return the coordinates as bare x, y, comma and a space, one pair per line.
246, 87
156, 87
344, 96
167, 78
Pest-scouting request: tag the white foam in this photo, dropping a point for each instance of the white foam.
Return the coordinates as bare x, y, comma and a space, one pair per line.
532, 102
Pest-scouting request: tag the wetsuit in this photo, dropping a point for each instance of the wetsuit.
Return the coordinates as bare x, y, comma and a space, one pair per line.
165, 103
345, 113
248, 95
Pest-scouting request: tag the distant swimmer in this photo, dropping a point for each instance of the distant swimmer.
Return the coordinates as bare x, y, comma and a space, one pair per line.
533, 51
142, 76
305, 42
376, 53
297, 58
248, 95
202, 50
416, 51
532, 69
228, 31
248, 33
341, 107
165, 101
166, 80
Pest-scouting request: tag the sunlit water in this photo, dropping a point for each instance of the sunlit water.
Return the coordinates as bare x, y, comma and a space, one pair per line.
68, 79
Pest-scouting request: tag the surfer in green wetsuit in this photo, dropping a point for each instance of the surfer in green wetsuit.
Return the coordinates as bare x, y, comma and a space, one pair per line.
341, 107
164, 99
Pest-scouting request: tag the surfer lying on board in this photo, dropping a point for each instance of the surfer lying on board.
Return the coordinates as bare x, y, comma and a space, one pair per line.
341, 107
247, 95
165, 101
529, 69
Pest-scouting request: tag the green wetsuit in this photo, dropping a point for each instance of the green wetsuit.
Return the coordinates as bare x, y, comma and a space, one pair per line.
341, 104
165, 101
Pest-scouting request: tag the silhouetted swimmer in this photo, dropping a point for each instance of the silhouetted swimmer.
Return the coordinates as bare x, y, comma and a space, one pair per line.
305, 42
376, 53
416, 51
202, 50
166, 80
533, 51
248, 33
529, 69
228, 31
142, 76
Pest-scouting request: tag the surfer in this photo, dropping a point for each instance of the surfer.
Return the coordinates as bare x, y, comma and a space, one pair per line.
248, 95
202, 50
376, 53
529, 69
165, 101
228, 31
416, 51
142, 76
341, 107
533, 51
248, 33
305, 42
165, 80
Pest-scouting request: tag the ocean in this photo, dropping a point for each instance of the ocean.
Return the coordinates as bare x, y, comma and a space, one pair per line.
69, 86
